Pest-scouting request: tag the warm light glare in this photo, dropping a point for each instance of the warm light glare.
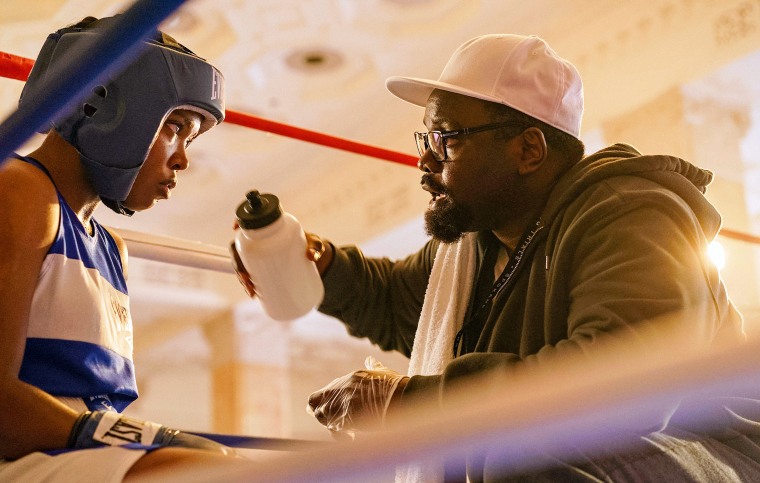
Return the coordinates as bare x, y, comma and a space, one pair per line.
717, 254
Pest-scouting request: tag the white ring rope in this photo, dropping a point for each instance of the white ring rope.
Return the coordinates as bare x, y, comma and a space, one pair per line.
579, 404
176, 251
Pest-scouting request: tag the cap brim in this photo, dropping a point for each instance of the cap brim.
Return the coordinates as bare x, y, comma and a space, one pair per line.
417, 91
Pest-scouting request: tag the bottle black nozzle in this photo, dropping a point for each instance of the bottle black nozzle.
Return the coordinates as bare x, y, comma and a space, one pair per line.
258, 210
254, 201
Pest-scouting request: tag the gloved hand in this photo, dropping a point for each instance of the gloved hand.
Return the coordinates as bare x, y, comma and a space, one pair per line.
315, 248
109, 428
356, 401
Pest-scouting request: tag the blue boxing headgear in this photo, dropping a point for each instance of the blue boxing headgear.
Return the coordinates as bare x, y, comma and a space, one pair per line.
115, 127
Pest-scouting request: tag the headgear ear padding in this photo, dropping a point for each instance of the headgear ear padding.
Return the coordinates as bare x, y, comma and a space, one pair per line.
115, 127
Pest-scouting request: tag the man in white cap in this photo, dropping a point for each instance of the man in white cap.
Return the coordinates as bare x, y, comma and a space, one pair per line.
538, 255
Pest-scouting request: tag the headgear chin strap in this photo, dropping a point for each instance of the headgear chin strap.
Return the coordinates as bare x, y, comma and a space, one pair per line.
115, 127
117, 206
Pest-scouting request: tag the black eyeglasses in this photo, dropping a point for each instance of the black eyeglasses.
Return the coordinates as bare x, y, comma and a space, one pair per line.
435, 141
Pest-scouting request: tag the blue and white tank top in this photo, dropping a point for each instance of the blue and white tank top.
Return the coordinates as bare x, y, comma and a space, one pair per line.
79, 341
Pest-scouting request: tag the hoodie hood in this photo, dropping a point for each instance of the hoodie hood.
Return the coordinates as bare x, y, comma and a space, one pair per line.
674, 174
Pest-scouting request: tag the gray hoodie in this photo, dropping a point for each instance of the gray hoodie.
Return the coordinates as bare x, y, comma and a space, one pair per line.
624, 241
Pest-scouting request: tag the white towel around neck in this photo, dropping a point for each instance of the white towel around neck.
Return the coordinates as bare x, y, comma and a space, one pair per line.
443, 311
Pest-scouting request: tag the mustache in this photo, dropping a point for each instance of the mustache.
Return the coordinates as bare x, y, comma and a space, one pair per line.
429, 181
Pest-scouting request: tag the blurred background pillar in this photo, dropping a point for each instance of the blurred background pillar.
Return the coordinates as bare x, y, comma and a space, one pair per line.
250, 374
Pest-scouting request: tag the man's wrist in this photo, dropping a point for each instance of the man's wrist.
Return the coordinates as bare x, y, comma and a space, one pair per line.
324, 262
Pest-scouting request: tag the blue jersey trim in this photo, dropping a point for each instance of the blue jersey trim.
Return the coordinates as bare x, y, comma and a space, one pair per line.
75, 244
69, 368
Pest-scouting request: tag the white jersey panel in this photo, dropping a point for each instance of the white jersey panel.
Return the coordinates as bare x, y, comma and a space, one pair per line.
87, 308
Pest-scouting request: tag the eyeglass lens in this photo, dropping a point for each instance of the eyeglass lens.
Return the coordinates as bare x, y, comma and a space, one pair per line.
432, 140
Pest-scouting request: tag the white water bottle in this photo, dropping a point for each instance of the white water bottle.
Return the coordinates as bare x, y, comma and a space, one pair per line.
272, 247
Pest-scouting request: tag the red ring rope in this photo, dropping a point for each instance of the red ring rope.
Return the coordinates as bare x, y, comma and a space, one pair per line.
738, 235
248, 120
15, 67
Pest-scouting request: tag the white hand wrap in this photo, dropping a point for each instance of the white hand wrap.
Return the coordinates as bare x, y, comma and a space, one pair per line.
116, 430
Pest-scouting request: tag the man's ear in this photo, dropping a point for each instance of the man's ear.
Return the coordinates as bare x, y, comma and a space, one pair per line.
534, 150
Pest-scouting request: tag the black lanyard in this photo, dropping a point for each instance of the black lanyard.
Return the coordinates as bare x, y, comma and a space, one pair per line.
504, 278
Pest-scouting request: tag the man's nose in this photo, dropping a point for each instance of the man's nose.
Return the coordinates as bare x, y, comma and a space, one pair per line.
427, 162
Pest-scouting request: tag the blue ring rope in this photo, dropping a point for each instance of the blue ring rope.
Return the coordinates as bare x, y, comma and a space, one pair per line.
260, 442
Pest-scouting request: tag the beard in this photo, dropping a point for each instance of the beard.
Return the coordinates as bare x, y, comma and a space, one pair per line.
447, 223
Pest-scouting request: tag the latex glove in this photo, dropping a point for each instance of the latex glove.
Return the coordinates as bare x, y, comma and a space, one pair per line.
356, 401
315, 248
109, 428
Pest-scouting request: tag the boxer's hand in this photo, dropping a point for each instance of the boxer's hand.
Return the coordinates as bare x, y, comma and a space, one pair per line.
356, 401
109, 428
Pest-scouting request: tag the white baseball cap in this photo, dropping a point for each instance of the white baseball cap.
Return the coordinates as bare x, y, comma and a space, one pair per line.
521, 72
